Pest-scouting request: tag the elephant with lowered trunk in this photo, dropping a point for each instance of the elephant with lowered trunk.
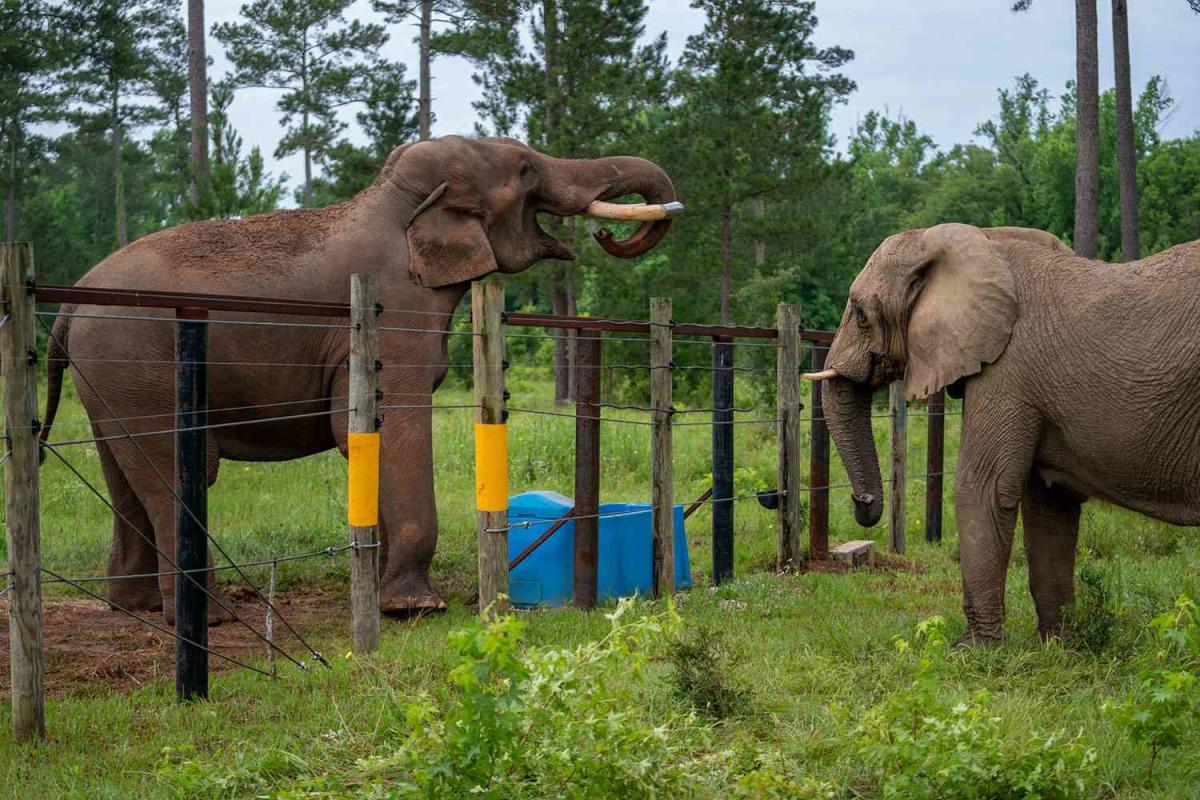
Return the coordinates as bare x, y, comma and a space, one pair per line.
1079, 379
441, 214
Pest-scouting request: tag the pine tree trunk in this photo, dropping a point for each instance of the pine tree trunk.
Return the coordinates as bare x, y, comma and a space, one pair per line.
425, 102
559, 293
198, 95
307, 166
1126, 150
572, 310
118, 171
550, 48
726, 259
10, 190
760, 247
1087, 130
562, 367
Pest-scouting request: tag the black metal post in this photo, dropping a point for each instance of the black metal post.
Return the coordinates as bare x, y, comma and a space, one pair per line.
722, 459
933, 466
818, 465
191, 484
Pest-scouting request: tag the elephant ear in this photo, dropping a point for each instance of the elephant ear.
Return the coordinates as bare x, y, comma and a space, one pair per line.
447, 243
965, 310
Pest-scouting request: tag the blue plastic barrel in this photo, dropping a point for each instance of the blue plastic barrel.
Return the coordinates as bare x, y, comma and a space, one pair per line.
624, 566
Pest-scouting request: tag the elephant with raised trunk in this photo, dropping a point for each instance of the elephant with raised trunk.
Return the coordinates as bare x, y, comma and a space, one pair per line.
1079, 379
442, 213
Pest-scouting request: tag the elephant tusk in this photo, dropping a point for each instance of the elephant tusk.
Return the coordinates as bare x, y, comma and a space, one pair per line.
634, 212
823, 375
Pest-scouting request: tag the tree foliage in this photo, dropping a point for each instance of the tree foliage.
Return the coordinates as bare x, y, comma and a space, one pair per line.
320, 62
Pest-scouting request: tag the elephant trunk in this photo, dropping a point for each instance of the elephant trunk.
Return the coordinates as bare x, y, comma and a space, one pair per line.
575, 185
847, 410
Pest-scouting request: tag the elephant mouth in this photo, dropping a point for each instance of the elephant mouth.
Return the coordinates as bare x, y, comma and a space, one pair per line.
655, 219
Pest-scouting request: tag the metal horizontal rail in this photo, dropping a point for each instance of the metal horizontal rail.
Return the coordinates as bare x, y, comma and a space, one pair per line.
538, 320
136, 298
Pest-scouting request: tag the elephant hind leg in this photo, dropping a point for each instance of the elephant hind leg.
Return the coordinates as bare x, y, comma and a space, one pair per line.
132, 551
1050, 517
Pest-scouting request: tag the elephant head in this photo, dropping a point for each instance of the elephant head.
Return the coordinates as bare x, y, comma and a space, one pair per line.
475, 204
931, 307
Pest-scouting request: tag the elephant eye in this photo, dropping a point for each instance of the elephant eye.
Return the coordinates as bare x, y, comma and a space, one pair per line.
860, 316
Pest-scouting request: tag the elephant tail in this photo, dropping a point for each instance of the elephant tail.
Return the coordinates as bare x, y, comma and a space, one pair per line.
57, 360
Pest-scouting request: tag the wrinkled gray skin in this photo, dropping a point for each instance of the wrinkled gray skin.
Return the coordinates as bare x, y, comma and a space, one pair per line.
442, 213
1081, 380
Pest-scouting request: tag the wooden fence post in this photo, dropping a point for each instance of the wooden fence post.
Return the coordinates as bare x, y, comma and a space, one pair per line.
899, 417
363, 445
662, 477
586, 365
491, 445
787, 392
818, 464
722, 459
21, 499
191, 512
934, 466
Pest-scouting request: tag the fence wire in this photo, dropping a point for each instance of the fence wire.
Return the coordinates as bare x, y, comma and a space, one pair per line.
181, 504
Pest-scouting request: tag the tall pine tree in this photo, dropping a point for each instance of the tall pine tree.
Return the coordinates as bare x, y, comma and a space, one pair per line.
572, 78
753, 76
116, 51
26, 93
321, 62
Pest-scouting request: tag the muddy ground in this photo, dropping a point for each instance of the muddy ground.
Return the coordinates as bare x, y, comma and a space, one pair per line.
91, 648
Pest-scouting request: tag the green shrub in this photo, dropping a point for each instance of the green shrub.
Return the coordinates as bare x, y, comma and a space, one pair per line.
529, 723
1165, 704
1090, 622
702, 662
923, 742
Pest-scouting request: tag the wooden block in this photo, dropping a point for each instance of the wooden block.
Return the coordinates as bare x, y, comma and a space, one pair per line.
855, 554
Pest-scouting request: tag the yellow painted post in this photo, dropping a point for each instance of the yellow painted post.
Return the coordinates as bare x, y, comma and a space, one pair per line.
362, 444
491, 445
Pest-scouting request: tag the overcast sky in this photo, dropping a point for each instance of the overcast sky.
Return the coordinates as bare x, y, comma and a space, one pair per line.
937, 62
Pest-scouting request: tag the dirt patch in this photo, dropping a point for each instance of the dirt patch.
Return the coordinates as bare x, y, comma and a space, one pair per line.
887, 563
90, 648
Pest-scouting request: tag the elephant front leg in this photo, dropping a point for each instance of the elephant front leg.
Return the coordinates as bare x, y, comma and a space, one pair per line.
1050, 518
408, 511
985, 534
994, 463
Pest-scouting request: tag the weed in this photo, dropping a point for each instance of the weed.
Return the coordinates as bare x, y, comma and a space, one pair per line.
703, 661
1165, 704
1089, 623
923, 742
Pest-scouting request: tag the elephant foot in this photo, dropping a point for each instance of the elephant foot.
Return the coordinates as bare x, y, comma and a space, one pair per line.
972, 638
130, 596
1051, 633
216, 614
410, 598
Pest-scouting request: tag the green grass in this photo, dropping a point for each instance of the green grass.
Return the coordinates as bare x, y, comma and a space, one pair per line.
808, 643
